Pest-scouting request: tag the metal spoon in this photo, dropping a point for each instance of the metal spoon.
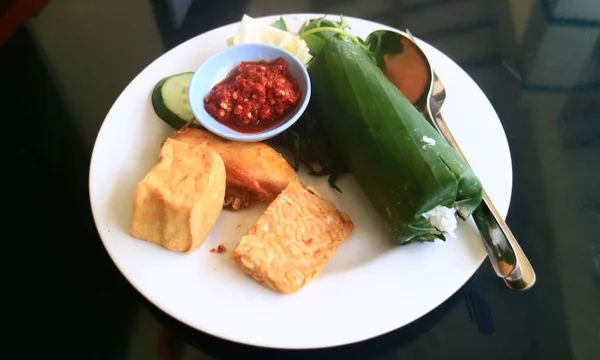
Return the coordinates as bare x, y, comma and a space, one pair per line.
407, 65
508, 259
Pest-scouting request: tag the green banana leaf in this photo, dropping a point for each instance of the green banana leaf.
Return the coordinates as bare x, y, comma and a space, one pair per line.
386, 143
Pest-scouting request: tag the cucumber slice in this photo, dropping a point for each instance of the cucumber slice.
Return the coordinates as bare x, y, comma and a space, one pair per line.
170, 100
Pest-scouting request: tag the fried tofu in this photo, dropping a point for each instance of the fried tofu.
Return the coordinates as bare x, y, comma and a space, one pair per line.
293, 239
254, 170
179, 200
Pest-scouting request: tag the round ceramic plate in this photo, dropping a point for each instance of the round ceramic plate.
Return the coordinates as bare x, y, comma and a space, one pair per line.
370, 287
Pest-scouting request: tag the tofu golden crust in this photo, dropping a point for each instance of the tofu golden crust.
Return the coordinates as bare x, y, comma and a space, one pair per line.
293, 239
179, 200
256, 167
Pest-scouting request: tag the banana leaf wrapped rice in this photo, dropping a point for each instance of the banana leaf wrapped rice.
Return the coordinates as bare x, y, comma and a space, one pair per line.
406, 169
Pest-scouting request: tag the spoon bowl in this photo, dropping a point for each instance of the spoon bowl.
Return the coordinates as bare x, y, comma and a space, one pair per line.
403, 63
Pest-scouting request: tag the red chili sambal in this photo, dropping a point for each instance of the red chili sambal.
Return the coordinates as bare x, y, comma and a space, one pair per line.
255, 97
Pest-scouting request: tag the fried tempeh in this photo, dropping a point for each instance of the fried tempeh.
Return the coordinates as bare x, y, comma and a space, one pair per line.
293, 239
179, 200
253, 169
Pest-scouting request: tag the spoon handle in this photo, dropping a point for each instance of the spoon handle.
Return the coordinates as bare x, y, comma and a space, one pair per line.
502, 255
505, 254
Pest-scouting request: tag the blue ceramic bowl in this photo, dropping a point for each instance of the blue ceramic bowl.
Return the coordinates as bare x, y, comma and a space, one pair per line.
217, 67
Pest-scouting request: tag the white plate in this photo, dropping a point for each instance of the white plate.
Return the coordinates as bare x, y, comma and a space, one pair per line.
370, 287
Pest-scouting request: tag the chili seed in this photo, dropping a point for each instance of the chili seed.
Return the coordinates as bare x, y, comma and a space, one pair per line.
223, 106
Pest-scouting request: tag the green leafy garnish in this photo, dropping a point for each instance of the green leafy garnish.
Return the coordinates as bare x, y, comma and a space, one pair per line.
323, 22
305, 140
316, 33
335, 31
280, 24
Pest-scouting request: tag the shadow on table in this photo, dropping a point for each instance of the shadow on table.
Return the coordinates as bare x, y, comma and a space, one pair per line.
61, 293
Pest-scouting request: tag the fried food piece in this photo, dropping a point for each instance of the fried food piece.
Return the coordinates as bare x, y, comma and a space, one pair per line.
237, 198
256, 166
179, 200
293, 239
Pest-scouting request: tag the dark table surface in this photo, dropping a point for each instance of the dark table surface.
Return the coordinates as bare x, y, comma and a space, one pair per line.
538, 61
